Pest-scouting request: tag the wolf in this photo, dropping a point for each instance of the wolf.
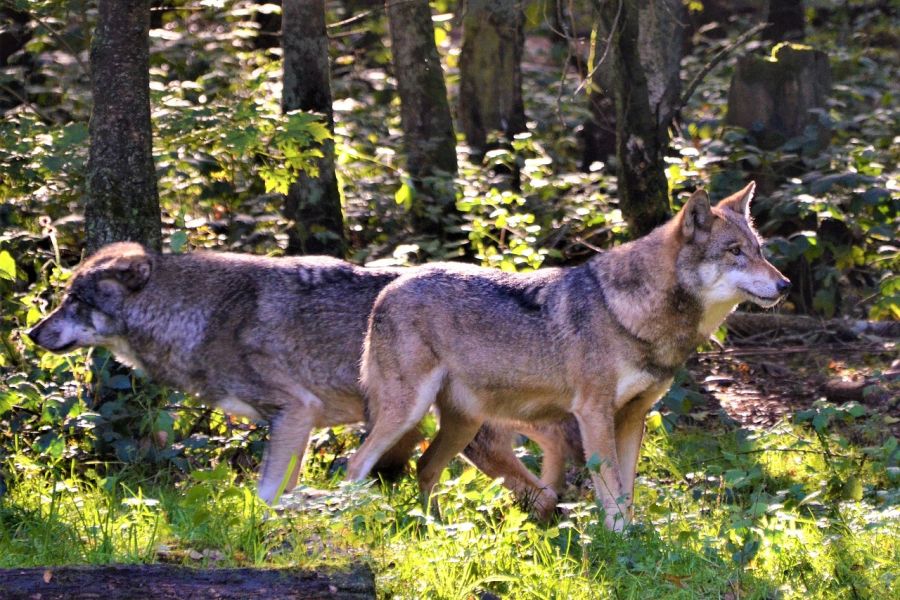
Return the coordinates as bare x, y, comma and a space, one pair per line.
600, 341
277, 339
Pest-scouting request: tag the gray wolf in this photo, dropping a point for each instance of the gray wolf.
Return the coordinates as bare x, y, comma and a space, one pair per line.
600, 341
277, 339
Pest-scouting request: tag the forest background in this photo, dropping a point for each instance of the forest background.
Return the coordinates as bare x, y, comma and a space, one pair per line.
770, 469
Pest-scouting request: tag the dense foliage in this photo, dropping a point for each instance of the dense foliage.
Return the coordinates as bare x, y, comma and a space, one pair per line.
99, 464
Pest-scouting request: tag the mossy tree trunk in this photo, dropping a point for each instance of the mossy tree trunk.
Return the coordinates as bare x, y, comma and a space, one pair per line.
122, 201
642, 114
490, 70
428, 137
313, 204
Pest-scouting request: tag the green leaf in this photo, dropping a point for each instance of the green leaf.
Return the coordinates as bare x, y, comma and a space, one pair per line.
856, 410
7, 266
820, 421
852, 489
178, 241
7, 401
406, 193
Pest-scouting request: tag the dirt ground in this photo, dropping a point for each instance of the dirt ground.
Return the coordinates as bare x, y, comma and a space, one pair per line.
760, 379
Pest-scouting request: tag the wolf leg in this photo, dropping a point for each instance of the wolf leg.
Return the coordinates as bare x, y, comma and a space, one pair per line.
629, 433
598, 435
492, 453
393, 463
552, 439
397, 409
456, 431
288, 438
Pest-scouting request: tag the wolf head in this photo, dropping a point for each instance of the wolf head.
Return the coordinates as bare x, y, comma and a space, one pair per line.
723, 255
90, 313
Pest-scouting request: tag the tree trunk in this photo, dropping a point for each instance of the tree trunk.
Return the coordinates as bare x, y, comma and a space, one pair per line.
644, 105
490, 70
312, 203
428, 137
771, 97
169, 582
787, 20
122, 201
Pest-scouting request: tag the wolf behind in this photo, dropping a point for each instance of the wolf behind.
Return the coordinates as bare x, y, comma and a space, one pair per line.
600, 341
270, 338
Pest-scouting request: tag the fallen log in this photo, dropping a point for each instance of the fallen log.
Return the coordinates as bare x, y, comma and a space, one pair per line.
170, 582
744, 324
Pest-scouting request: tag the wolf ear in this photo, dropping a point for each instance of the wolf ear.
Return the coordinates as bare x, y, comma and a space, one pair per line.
696, 215
740, 202
131, 271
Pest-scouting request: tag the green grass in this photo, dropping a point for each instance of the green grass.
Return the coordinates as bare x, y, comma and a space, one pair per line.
719, 514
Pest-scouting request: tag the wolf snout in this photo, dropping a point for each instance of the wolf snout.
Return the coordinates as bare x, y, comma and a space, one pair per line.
783, 286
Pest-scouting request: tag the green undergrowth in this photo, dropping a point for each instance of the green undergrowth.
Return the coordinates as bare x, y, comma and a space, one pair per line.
787, 513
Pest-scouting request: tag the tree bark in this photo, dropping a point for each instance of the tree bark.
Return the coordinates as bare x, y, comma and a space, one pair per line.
168, 582
312, 203
122, 201
428, 137
643, 106
490, 70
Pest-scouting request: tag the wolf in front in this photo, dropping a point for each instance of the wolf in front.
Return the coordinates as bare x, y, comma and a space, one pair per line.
600, 341
278, 339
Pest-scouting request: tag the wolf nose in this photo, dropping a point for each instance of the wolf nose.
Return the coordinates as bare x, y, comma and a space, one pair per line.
783, 286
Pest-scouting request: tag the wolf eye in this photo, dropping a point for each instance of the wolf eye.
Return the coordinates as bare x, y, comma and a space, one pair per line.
735, 250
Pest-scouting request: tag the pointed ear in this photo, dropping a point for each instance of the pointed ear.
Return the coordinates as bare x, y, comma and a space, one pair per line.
740, 201
696, 215
130, 270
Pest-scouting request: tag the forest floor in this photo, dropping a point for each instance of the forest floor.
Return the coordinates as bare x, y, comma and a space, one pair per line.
771, 475
761, 380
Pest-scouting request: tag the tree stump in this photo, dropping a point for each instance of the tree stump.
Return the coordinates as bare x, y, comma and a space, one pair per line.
169, 582
771, 97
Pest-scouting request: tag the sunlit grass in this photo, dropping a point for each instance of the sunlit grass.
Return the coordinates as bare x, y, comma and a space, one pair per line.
717, 515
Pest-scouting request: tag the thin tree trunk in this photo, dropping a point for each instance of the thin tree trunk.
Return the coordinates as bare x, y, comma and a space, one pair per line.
490, 70
122, 201
312, 203
641, 136
428, 137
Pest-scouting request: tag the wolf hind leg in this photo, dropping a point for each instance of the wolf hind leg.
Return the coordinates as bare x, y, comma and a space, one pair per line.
492, 452
393, 463
397, 409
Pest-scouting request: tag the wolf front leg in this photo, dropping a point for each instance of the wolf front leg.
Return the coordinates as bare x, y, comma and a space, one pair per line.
598, 436
455, 433
629, 433
288, 437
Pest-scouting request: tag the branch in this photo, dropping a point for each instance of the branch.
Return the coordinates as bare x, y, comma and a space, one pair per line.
719, 57
598, 6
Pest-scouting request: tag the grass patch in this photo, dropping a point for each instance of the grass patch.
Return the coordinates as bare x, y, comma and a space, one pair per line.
727, 514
